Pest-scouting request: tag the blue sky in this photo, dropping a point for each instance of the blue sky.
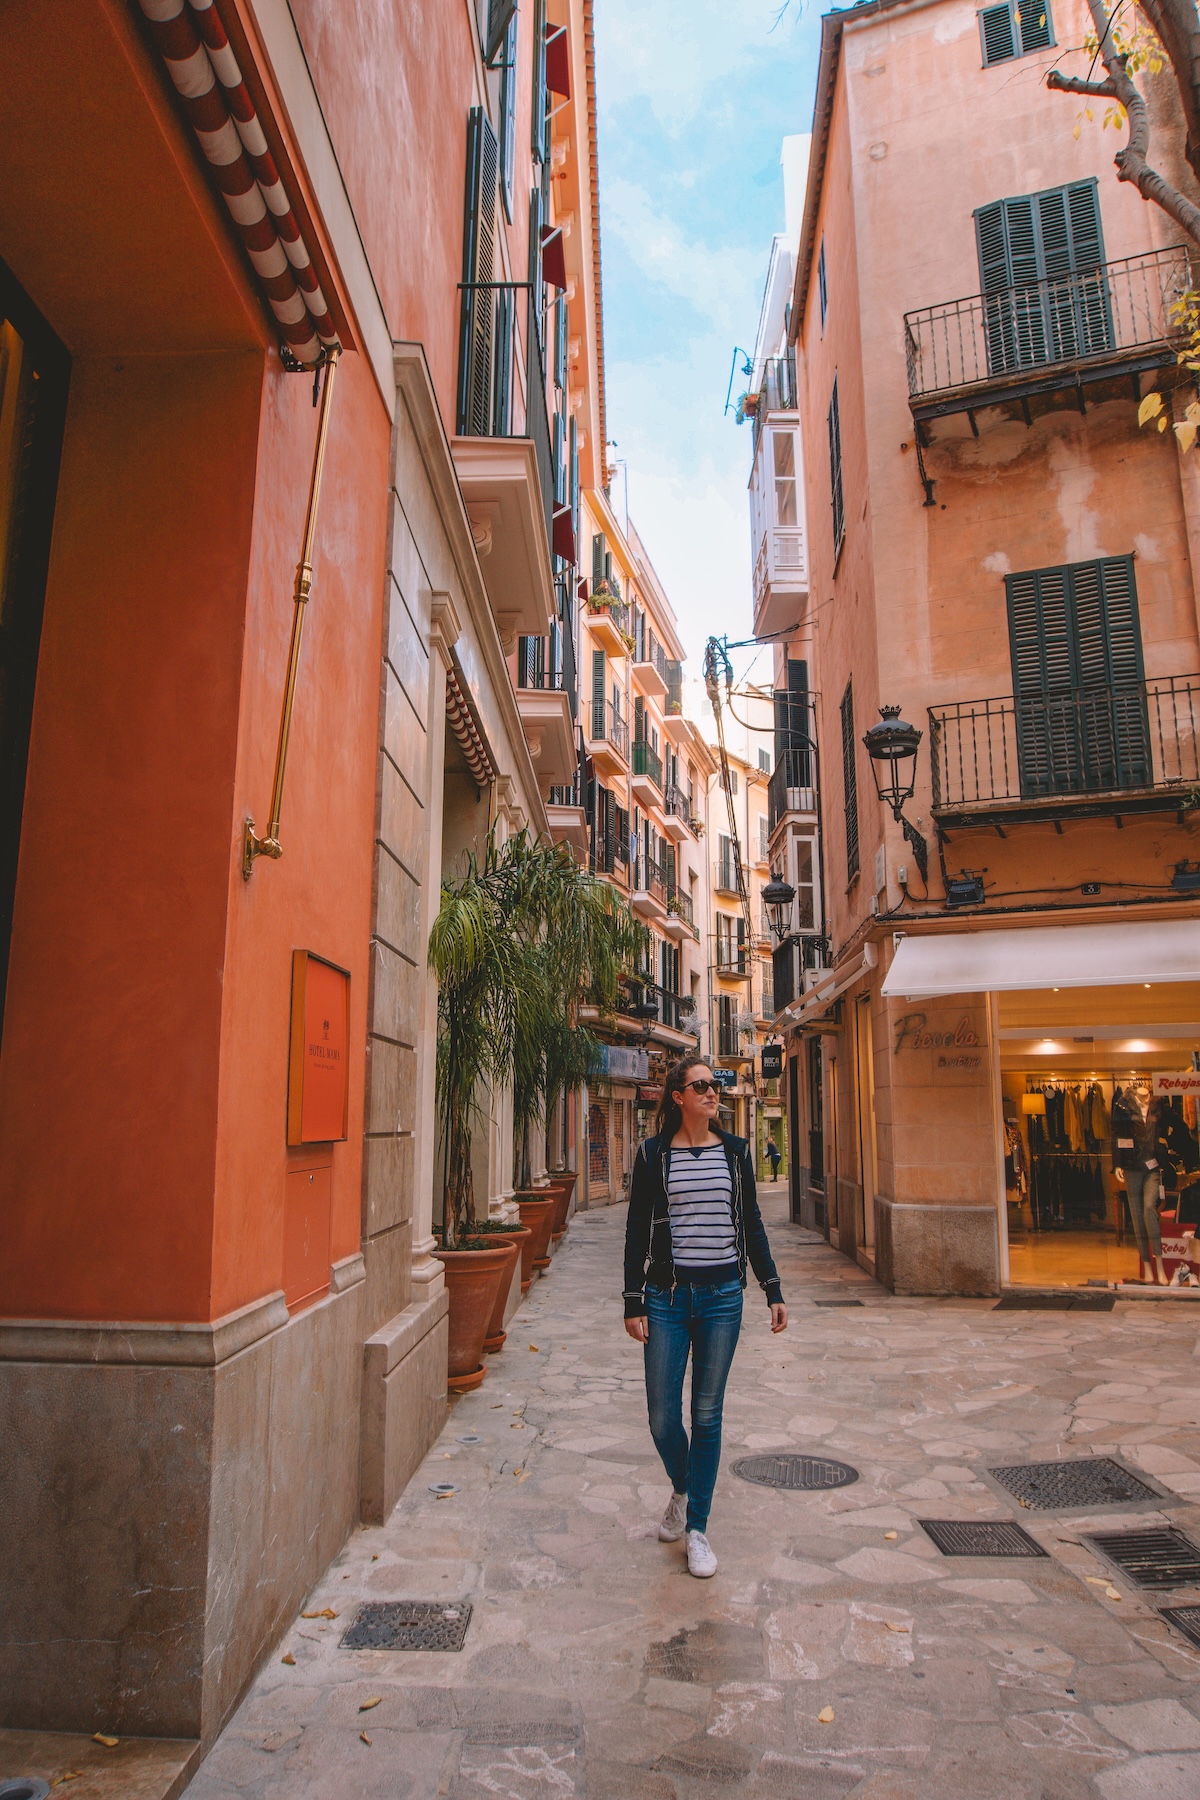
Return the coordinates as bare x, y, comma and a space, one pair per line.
694, 97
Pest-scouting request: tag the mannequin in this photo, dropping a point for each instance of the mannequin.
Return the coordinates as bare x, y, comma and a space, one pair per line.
1136, 1168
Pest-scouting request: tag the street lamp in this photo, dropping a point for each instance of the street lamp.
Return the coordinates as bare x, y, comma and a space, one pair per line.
892, 746
777, 898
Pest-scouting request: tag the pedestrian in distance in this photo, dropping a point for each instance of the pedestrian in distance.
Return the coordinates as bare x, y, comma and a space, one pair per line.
774, 1158
693, 1226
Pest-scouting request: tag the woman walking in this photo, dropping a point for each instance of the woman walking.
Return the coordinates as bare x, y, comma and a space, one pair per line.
693, 1224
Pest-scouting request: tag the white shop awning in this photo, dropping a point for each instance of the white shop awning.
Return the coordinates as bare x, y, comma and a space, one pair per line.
1045, 956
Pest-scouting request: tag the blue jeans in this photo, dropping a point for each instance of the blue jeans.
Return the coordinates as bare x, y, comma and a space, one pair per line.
1143, 1187
706, 1321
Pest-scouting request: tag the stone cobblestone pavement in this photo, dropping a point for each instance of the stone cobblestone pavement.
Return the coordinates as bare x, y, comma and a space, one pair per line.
595, 1668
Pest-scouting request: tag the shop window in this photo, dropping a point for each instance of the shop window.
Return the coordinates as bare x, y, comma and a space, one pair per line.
34, 370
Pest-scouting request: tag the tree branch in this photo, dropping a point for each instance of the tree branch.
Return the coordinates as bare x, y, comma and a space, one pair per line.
1071, 84
1177, 26
1132, 164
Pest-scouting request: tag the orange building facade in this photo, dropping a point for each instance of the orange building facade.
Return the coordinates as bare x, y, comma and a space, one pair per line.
1007, 949
222, 1331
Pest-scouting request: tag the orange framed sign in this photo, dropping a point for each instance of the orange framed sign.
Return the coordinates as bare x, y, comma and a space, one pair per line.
319, 1064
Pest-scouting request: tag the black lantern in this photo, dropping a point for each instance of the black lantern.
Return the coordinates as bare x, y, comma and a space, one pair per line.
777, 897
892, 747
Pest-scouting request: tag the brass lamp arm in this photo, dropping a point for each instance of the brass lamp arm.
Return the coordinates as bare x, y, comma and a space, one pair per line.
254, 846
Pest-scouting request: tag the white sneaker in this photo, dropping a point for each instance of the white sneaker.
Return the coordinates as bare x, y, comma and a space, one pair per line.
701, 1561
673, 1520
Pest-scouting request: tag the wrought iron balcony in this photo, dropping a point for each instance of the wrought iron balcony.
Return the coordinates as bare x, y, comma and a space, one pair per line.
499, 335
728, 873
777, 392
1099, 750
1041, 336
790, 788
788, 965
609, 727
540, 664
650, 878
680, 903
675, 802
647, 761
677, 1011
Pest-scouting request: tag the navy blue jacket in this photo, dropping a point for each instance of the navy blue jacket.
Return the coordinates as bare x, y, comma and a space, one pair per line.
648, 1255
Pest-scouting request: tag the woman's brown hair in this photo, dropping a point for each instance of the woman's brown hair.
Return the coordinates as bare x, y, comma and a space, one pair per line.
669, 1118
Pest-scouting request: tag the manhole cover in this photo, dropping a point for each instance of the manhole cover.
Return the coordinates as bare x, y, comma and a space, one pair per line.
1151, 1559
1185, 1619
409, 1625
791, 1470
1080, 1483
837, 1302
1059, 1302
23, 1787
982, 1537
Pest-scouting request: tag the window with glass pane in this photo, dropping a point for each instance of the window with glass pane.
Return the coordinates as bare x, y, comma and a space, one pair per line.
783, 451
804, 911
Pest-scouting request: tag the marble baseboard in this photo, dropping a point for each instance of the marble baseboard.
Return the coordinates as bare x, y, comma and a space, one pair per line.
931, 1249
170, 1517
135, 1769
403, 1401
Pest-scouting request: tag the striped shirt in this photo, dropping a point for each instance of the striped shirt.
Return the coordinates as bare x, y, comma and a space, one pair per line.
700, 1201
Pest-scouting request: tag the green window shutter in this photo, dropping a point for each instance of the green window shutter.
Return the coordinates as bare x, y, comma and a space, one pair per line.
1035, 25
501, 14
508, 97
597, 559
835, 467
996, 35
850, 780
1079, 702
479, 252
538, 115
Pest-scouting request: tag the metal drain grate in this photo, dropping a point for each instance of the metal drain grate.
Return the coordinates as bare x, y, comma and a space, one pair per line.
409, 1625
1151, 1559
1057, 1302
1079, 1484
792, 1470
837, 1302
980, 1537
1185, 1619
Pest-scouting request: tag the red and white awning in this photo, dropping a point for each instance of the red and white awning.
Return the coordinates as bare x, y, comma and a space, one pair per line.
470, 739
201, 62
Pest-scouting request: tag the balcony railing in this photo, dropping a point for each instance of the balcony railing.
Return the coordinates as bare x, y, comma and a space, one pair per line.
680, 903
650, 878
777, 392
616, 609
609, 725
675, 802
647, 761
790, 788
540, 664
678, 1011
1094, 315
1136, 738
732, 959
788, 963
499, 340
727, 874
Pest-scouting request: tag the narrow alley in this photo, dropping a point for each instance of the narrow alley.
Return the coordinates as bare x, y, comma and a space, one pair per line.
837, 1652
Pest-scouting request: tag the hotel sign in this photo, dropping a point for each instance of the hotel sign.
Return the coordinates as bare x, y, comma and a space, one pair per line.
319, 1064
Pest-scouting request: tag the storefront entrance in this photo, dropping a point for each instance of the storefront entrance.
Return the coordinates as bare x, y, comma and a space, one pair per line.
1098, 1101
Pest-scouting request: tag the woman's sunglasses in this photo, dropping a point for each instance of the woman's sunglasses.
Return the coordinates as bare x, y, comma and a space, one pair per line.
701, 1087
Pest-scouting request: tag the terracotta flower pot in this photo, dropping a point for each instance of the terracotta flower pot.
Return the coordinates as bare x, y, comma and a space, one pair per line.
537, 1211
517, 1237
472, 1278
563, 1184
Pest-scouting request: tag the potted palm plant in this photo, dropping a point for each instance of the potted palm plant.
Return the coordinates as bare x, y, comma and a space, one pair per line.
473, 955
